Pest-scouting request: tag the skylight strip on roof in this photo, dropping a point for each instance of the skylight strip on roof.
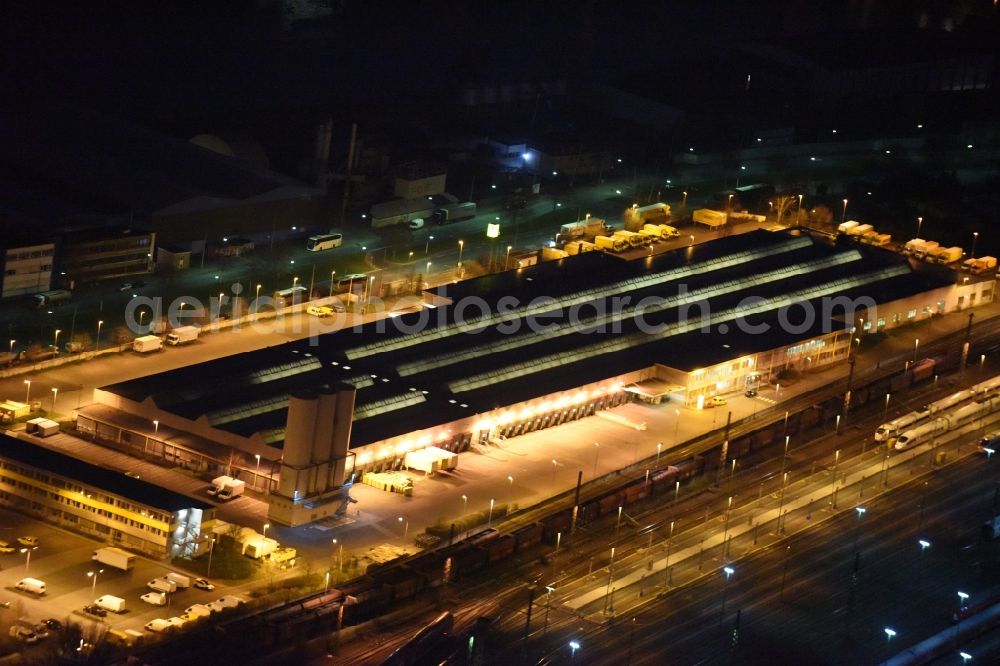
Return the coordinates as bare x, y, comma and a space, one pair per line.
733, 259
609, 318
522, 369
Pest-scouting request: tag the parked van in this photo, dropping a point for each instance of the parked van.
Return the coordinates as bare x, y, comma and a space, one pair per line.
162, 585
179, 579
32, 585
111, 603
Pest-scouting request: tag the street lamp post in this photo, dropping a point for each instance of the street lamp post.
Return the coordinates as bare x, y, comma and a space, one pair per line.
729, 571
340, 556
256, 470
99, 325
461, 248
55, 340
916, 346
975, 237
889, 633
781, 501
266, 525
406, 523
156, 427
659, 446
920, 222
27, 560
857, 526
489, 520
465, 504
798, 211
924, 545
27, 393
93, 585
573, 646
55, 394
211, 550
885, 411
597, 451
843, 214
677, 424
962, 598
427, 245
548, 602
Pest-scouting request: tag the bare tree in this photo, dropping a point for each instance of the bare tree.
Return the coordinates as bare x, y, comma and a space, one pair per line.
782, 204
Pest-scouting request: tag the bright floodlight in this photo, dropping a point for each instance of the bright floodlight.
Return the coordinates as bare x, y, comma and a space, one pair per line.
574, 645
526, 156
924, 543
963, 596
965, 656
729, 570
860, 510
889, 632
988, 451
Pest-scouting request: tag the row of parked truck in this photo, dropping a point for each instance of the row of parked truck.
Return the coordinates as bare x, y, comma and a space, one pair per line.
864, 233
620, 241
178, 336
929, 251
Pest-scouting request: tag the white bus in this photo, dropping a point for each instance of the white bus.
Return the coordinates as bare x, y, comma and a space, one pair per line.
324, 242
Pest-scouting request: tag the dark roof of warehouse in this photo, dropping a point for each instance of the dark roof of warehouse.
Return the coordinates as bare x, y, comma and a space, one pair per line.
435, 373
87, 474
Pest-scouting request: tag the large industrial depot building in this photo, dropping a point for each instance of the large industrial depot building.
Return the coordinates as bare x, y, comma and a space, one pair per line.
518, 351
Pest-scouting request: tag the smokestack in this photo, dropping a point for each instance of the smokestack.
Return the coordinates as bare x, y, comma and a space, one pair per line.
299, 428
344, 416
323, 439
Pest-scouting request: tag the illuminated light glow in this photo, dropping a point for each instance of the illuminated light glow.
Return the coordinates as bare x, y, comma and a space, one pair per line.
701, 402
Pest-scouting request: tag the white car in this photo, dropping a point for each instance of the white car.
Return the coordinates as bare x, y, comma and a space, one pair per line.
203, 584
417, 223
155, 598
29, 541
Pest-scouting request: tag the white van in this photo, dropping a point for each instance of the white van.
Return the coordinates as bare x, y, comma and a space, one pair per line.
111, 603
32, 585
416, 223
162, 585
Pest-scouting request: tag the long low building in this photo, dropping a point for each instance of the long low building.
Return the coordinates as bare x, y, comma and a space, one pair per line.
99, 502
531, 348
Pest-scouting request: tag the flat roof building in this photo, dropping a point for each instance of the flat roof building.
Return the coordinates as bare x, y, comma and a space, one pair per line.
531, 348
99, 502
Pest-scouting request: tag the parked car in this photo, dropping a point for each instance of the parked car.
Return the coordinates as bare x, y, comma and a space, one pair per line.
93, 609
203, 584
29, 541
320, 311
6, 547
53, 624
24, 634
750, 393
717, 401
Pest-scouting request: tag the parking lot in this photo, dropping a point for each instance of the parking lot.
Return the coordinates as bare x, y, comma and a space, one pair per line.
63, 561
